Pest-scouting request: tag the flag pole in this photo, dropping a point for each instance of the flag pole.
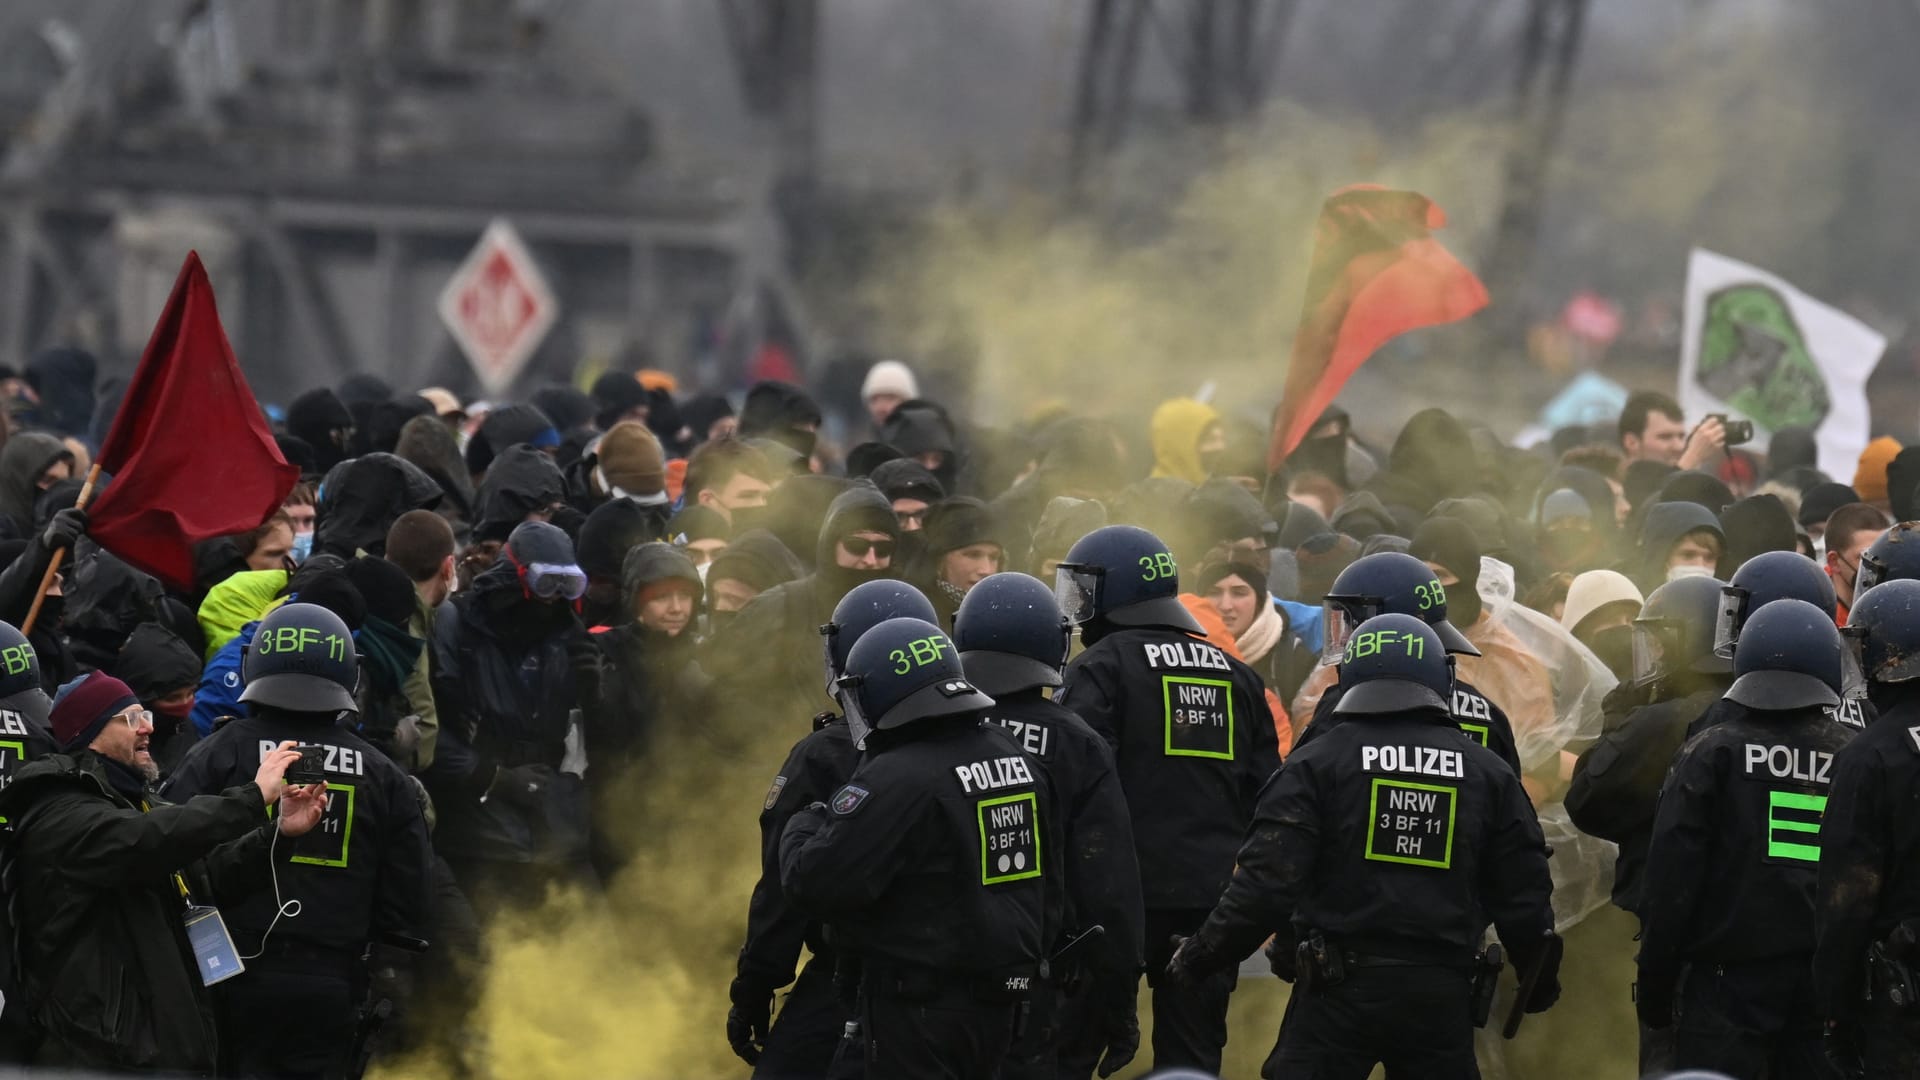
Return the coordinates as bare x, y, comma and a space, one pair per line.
59, 557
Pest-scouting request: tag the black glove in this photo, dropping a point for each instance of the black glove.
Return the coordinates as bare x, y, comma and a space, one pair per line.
1283, 957
749, 1019
1840, 1042
583, 653
524, 786
1546, 990
1652, 1002
1191, 961
1120, 1026
64, 529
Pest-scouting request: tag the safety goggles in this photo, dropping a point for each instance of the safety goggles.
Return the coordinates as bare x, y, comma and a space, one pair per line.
1077, 587
858, 546
552, 581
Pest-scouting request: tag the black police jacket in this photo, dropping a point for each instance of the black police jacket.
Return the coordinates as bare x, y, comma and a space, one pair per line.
106, 969
1616, 782
1869, 852
1853, 713
937, 854
363, 873
1102, 870
815, 768
1736, 843
1392, 836
1482, 720
23, 735
1193, 736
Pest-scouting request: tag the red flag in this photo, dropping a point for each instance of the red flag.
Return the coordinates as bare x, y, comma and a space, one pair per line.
1376, 274
190, 453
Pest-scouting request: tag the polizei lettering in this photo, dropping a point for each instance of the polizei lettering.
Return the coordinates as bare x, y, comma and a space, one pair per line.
1789, 763
1033, 738
998, 773
340, 760
1186, 654
1425, 760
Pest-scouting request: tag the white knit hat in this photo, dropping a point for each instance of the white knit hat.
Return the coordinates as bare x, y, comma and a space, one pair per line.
1594, 590
889, 377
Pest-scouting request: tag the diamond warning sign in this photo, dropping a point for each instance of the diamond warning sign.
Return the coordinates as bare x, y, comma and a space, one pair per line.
498, 307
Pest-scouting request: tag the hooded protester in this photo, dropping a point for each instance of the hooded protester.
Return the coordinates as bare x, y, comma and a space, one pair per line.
394, 672
753, 563
162, 671
709, 417
32, 462
1574, 515
566, 406
1186, 435
865, 457
1433, 459
781, 412
1320, 559
964, 546
1695, 487
1641, 483
62, 378
321, 420
1061, 525
510, 664
507, 427
618, 396
362, 497
924, 432
523, 484
1599, 612
431, 446
606, 537
1678, 538
1225, 516
1755, 525
911, 488
701, 533
1363, 517
1326, 453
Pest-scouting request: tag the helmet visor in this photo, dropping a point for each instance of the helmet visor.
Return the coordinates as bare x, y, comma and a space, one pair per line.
1726, 623
1340, 617
1853, 668
847, 691
832, 669
1871, 573
1077, 587
550, 581
1651, 639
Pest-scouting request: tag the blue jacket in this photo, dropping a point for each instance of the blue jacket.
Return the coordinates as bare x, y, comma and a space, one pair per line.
221, 683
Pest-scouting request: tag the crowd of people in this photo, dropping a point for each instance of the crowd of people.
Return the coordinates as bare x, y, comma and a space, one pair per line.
1069, 704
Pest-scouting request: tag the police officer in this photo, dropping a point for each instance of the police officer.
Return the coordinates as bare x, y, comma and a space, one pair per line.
24, 712
361, 877
1770, 576
812, 1022
1727, 916
1194, 739
1397, 583
1013, 642
1869, 900
932, 863
1892, 557
1384, 847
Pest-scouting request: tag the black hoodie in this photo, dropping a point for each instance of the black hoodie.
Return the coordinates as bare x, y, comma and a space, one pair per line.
782, 412
154, 663
921, 427
361, 499
63, 379
314, 417
1433, 459
519, 482
1666, 523
431, 445
25, 458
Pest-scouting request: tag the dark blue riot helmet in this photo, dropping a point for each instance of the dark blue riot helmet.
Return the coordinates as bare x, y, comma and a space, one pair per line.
1883, 631
19, 664
1011, 634
1789, 657
1124, 575
1674, 631
866, 606
1387, 582
1763, 579
1394, 663
303, 659
900, 672
1894, 556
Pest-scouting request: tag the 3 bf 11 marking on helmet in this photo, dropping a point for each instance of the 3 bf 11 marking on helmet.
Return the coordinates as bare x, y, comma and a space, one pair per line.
919, 653
1158, 567
297, 639
341, 760
1789, 763
1426, 760
1430, 595
990, 775
1186, 654
17, 659
1360, 646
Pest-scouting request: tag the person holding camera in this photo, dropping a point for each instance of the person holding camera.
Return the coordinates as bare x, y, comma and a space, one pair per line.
109, 887
357, 881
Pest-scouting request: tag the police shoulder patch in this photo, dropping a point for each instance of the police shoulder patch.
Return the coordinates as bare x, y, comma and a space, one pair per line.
848, 799
1913, 735
773, 793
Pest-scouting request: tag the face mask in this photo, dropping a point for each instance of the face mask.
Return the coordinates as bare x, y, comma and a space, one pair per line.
702, 571
1687, 570
178, 712
302, 546
1614, 647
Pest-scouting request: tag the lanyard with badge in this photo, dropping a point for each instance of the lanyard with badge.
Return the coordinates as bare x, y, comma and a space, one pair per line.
213, 949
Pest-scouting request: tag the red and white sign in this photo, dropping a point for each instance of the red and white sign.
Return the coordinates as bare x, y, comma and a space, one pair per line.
498, 307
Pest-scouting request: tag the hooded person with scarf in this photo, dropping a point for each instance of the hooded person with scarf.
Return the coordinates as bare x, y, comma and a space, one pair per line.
362, 497
511, 662
1677, 538
32, 462
1433, 459
162, 671
754, 562
1574, 511
924, 432
523, 484
652, 684
767, 662
1186, 435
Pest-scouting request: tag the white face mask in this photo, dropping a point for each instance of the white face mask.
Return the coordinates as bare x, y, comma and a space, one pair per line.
1687, 570
702, 571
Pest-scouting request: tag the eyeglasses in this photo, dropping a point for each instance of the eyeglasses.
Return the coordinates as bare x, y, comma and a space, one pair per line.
135, 718
858, 546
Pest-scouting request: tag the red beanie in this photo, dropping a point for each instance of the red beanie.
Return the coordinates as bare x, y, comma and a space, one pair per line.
82, 712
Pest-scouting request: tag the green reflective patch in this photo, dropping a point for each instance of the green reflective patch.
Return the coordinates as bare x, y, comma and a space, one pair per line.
1412, 824
327, 844
1199, 716
1478, 732
1009, 838
1793, 825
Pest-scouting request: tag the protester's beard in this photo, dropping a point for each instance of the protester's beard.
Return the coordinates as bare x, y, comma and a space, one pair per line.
149, 769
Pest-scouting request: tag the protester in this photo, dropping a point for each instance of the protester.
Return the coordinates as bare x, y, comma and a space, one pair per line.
888, 384
1851, 529
731, 478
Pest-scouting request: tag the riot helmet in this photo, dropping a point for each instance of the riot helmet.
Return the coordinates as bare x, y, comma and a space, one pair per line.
1124, 575
1394, 663
1769, 576
1892, 557
1674, 631
19, 664
866, 606
1011, 634
1883, 632
1387, 582
900, 672
302, 658
1789, 657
